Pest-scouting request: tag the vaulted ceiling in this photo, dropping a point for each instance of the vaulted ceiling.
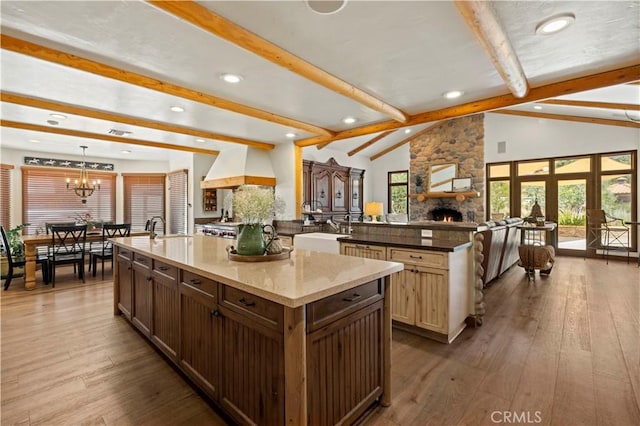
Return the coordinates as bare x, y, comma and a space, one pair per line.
118, 67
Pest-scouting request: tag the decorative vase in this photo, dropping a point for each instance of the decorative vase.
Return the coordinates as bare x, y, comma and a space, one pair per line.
250, 240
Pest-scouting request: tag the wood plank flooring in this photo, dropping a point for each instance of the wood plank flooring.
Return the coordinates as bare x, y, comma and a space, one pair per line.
563, 350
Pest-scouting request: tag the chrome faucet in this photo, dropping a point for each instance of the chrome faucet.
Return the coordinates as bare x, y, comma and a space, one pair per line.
152, 226
348, 219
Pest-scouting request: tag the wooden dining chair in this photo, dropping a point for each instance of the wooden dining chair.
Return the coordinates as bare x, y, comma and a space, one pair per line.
67, 247
105, 250
13, 263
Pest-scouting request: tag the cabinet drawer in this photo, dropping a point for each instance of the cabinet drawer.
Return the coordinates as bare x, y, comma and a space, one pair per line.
342, 304
203, 284
265, 311
142, 260
124, 253
165, 270
431, 259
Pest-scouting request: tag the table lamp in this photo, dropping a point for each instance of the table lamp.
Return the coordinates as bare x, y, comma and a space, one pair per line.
373, 209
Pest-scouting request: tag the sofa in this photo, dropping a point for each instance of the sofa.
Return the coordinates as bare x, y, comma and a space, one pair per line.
500, 247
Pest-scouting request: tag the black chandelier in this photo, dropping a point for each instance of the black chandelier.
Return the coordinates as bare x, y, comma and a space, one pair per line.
82, 187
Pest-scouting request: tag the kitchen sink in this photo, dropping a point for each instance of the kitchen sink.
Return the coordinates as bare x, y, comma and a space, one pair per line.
318, 241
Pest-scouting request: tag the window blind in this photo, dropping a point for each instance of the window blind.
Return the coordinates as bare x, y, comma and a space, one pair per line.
144, 197
178, 202
5, 195
45, 197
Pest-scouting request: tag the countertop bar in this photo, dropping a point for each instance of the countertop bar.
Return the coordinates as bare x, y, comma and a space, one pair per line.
411, 243
306, 277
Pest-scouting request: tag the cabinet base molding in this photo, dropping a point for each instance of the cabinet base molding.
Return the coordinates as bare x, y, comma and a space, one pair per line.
439, 337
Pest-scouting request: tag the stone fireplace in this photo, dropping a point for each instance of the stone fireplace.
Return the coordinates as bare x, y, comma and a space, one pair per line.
459, 141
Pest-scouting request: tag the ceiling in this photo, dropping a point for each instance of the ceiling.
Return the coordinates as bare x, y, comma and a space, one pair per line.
122, 65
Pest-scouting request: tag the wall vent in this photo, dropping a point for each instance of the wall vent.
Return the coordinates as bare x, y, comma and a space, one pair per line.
117, 132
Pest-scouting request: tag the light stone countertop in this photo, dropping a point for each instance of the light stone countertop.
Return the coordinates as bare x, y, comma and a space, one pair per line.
306, 277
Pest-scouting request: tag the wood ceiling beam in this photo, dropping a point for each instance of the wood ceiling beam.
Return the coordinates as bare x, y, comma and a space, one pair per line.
370, 142
404, 141
83, 64
591, 104
126, 119
217, 25
580, 84
481, 19
574, 118
109, 138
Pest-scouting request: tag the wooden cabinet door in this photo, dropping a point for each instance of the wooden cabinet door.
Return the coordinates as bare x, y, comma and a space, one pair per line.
166, 307
363, 250
142, 298
125, 289
355, 195
432, 296
199, 338
321, 189
252, 369
403, 295
339, 192
344, 366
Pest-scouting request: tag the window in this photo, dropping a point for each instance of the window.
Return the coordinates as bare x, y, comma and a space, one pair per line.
5, 195
398, 191
178, 202
45, 197
499, 191
143, 198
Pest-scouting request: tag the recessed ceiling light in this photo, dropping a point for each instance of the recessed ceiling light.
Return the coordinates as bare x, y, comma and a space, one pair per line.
200, 140
176, 109
348, 120
452, 94
326, 7
58, 116
407, 130
555, 23
537, 107
53, 122
125, 151
231, 78
34, 140
291, 135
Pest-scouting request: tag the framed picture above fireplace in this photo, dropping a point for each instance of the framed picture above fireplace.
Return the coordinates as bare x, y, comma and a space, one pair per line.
441, 177
461, 184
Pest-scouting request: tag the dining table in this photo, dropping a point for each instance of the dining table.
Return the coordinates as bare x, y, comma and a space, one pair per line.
32, 242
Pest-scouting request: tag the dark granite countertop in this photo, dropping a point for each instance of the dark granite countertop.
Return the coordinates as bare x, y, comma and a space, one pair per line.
410, 243
427, 224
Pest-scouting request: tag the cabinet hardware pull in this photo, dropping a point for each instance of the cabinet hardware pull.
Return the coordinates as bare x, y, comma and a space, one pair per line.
149, 278
215, 312
194, 281
415, 257
163, 268
353, 298
244, 302
360, 246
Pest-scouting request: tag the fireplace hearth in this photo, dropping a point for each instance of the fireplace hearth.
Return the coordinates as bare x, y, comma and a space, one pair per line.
445, 214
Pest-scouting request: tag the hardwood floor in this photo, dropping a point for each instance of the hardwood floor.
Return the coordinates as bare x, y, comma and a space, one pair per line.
562, 350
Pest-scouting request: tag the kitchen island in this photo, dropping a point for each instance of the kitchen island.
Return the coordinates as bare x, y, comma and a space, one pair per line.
255, 336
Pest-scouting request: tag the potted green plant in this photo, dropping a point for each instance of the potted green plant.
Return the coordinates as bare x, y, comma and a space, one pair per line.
16, 245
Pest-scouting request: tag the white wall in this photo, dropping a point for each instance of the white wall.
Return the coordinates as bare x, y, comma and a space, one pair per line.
396, 160
528, 138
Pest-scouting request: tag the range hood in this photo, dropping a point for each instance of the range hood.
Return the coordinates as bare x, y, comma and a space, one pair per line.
240, 166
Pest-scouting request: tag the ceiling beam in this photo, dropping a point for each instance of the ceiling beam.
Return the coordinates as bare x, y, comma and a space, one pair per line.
574, 118
580, 84
83, 64
217, 25
481, 19
370, 142
125, 119
404, 141
591, 104
109, 138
